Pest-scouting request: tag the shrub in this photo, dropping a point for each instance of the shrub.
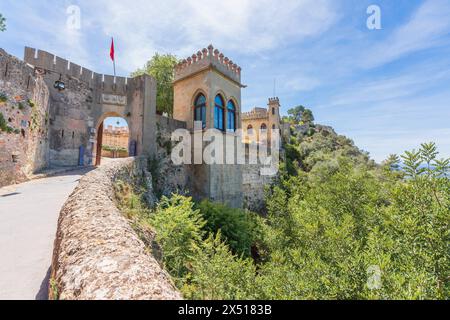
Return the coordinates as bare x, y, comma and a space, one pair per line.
179, 231
114, 148
238, 227
3, 97
218, 274
4, 125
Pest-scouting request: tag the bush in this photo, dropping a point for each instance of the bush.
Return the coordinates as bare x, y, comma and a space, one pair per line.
218, 274
238, 227
179, 231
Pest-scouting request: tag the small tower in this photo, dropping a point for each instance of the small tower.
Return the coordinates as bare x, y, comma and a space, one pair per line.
210, 74
207, 94
273, 112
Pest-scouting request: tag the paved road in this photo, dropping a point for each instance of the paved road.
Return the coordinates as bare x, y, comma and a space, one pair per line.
28, 219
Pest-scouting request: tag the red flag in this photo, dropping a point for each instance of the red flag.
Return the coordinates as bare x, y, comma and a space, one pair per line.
111, 52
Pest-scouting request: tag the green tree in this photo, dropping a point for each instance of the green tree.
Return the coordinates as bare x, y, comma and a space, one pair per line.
307, 117
2, 23
296, 113
218, 274
325, 235
161, 67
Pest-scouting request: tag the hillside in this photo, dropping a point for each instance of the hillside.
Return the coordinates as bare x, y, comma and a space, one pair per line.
338, 226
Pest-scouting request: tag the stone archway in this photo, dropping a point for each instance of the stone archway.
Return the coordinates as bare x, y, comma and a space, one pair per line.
99, 136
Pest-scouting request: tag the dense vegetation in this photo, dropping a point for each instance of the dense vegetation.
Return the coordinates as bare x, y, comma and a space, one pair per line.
338, 227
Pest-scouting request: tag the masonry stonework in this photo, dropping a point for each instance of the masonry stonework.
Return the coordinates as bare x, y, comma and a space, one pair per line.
50, 127
24, 110
77, 113
210, 73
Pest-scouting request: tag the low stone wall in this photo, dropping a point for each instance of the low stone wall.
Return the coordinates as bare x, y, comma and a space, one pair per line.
97, 254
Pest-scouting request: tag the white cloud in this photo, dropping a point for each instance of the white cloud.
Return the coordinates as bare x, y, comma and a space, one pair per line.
406, 85
242, 26
302, 83
428, 27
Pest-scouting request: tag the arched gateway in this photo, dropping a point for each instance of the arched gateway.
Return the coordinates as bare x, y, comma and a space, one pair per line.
77, 112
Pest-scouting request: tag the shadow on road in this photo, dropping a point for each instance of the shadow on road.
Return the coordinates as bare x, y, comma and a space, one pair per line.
9, 194
43, 290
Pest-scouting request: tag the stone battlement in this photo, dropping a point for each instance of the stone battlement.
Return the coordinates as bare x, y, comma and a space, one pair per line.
274, 100
204, 59
255, 113
48, 61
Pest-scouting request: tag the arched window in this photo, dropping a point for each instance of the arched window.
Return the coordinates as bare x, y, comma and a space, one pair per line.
263, 127
219, 113
231, 116
273, 127
250, 129
200, 109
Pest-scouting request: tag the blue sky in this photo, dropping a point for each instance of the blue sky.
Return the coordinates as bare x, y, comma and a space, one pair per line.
388, 89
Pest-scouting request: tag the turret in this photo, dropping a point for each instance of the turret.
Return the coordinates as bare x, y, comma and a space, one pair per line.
273, 112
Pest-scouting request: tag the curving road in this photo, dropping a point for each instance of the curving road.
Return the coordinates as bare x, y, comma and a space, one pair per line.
28, 219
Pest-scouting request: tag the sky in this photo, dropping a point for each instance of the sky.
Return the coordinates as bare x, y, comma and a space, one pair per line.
387, 89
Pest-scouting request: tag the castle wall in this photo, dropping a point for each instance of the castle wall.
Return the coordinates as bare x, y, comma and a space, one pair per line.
211, 73
253, 187
185, 92
256, 124
168, 177
77, 112
24, 106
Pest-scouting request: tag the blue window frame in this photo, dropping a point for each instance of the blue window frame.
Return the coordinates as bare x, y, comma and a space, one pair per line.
231, 116
219, 113
200, 109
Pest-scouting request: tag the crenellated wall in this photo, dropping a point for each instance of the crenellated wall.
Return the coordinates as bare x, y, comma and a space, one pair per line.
105, 83
208, 58
76, 113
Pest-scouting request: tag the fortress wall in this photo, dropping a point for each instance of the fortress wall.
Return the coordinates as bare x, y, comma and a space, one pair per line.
24, 107
253, 187
97, 254
48, 61
89, 97
71, 120
170, 178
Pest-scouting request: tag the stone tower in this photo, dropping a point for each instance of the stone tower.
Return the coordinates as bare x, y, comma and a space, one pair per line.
273, 113
207, 95
210, 73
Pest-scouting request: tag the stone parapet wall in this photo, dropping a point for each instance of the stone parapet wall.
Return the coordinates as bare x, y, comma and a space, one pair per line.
208, 58
48, 61
97, 254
